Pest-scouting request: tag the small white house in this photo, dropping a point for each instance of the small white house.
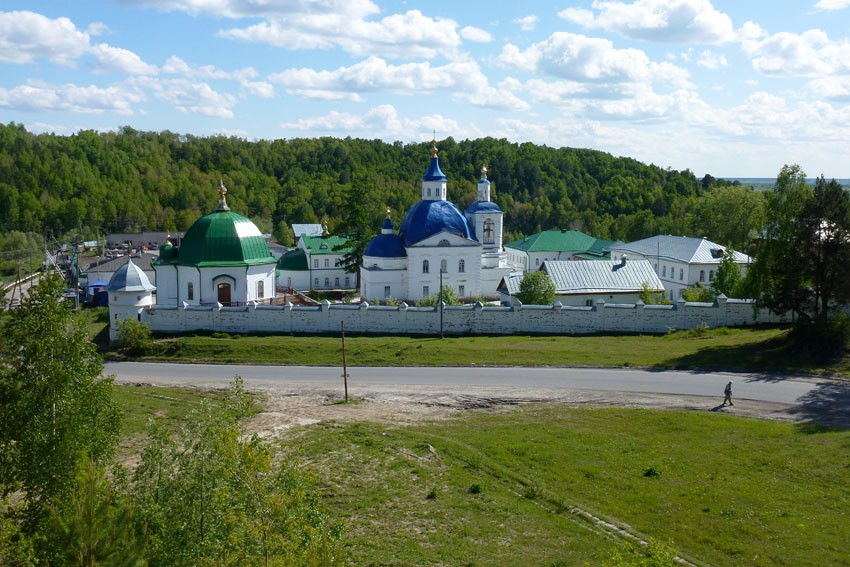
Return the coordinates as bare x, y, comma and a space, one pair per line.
130, 292
679, 261
315, 263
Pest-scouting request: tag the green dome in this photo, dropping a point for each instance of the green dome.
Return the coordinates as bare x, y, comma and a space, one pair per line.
223, 238
294, 260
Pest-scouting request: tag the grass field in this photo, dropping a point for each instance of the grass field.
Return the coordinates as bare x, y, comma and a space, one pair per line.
507, 488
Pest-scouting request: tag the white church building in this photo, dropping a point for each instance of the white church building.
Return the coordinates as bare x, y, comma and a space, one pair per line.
437, 243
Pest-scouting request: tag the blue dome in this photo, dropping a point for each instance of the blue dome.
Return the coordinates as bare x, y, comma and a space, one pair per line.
386, 246
434, 173
483, 207
427, 218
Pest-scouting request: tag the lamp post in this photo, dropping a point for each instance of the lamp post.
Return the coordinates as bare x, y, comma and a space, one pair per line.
441, 302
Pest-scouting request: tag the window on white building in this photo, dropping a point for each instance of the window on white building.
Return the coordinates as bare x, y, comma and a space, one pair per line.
327, 283
682, 274
702, 275
461, 265
711, 276
347, 284
386, 292
444, 266
261, 288
327, 263
489, 233
461, 291
425, 291
289, 282
663, 271
315, 262
336, 282
190, 291
537, 261
316, 283
425, 266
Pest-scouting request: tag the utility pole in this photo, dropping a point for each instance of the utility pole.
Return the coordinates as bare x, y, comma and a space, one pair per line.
344, 366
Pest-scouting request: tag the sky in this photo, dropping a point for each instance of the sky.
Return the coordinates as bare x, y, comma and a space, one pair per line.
728, 88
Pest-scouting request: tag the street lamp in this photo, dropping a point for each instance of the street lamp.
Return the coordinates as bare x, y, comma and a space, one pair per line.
440, 305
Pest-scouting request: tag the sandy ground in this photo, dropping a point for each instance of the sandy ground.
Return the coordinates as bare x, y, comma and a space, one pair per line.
290, 406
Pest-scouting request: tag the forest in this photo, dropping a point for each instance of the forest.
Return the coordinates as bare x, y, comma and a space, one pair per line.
91, 183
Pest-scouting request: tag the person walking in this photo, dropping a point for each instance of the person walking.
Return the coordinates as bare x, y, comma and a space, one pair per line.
728, 394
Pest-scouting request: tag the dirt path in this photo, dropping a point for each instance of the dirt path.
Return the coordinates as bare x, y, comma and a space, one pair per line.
290, 406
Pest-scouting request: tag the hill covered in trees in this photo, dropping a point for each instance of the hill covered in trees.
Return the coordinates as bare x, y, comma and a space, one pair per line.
91, 183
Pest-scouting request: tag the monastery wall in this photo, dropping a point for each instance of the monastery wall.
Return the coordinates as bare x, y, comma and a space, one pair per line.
457, 320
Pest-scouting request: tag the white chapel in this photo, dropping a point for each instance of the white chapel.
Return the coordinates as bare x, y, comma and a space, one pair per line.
436, 242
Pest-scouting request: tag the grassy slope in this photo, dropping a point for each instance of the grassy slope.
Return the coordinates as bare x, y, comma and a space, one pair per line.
731, 491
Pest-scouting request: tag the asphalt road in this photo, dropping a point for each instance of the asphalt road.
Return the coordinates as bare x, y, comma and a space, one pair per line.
786, 390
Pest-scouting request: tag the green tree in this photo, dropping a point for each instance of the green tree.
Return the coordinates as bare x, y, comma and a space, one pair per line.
728, 279
211, 494
55, 407
536, 288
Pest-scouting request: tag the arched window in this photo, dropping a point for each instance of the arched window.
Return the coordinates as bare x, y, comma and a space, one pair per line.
711, 276
190, 291
663, 271
261, 288
424, 266
444, 266
461, 266
702, 275
327, 283
444, 242
489, 232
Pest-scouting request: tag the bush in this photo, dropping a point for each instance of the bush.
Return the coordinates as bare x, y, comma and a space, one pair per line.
134, 337
536, 288
821, 336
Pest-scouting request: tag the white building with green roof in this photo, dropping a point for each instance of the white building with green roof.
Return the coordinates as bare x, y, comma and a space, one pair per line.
530, 252
315, 263
223, 259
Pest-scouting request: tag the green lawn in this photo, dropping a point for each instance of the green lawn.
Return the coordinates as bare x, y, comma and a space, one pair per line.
505, 488
744, 349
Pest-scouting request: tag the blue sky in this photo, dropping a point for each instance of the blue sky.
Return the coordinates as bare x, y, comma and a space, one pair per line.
729, 88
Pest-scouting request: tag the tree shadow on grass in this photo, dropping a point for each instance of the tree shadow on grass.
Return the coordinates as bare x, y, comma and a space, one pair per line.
768, 356
826, 407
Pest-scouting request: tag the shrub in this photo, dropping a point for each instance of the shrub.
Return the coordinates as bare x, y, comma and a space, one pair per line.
821, 336
536, 288
134, 337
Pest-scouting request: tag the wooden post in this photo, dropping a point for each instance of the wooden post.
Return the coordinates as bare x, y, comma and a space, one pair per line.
344, 366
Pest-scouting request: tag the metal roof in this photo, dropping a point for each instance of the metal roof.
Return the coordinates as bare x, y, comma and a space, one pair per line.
579, 277
561, 241
130, 277
221, 238
386, 246
294, 260
318, 245
427, 218
312, 229
680, 248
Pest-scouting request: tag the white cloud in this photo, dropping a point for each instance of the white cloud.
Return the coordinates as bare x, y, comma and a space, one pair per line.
191, 96
71, 98
176, 66
110, 58
464, 78
471, 33
26, 36
399, 35
382, 120
809, 54
581, 58
526, 23
831, 88
828, 5
97, 28
237, 9
673, 21
712, 61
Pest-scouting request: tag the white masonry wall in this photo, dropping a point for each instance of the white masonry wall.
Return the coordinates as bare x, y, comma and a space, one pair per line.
457, 320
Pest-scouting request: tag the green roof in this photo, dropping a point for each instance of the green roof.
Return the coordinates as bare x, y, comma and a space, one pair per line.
560, 241
294, 260
325, 244
221, 238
